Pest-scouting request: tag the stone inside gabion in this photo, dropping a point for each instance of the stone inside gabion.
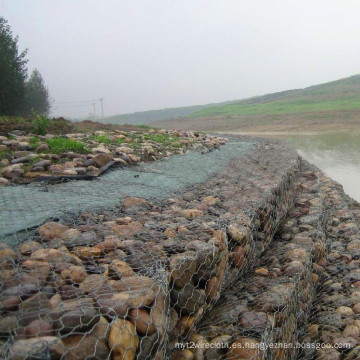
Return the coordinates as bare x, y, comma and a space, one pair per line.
263, 253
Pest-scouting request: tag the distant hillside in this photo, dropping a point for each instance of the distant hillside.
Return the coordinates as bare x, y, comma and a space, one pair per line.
336, 95
146, 117
331, 105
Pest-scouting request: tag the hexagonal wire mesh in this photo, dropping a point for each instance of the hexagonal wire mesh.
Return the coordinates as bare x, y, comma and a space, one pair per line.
197, 276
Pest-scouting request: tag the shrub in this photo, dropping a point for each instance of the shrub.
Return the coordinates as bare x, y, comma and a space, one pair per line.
40, 123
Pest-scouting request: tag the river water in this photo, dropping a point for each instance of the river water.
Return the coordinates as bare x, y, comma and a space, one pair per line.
337, 154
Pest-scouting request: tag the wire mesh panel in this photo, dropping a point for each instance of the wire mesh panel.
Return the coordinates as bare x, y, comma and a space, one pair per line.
261, 315
333, 328
135, 282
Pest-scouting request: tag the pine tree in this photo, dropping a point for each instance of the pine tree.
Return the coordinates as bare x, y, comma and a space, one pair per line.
13, 72
36, 95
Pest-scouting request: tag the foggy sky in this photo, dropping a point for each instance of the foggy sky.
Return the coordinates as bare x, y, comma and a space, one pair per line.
150, 54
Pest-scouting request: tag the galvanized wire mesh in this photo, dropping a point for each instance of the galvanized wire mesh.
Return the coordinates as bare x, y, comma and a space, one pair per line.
222, 270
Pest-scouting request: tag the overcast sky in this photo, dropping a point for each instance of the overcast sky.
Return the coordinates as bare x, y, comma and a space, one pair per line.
150, 54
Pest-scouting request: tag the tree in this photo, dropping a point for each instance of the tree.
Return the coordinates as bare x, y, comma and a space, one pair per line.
37, 97
13, 72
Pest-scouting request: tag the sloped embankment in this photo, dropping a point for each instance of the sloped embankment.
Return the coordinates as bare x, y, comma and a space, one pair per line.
235, 261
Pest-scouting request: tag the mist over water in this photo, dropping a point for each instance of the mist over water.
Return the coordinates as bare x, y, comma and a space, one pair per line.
337, 154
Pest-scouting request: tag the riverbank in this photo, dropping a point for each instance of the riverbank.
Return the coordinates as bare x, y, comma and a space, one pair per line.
26, 158
264, 251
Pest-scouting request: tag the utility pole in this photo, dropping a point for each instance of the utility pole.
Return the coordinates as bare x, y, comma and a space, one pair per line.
102, 107
94, 108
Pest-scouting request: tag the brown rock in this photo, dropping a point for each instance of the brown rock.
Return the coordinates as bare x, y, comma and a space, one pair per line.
210, 200
238, 256
188, 299
192, 213
245, 349
132, 283
142, 321
185, 324
218, 347
183, 267
93, 345
42, 148
351, 330
12, 171
170, 233
297, 254
133, 158
237, 234
75, 274
93, 283
345, 310
118, 305
182, 355
85, 252
119, 269
102, 159
40, 327
45, 347
294, 267
51, 230
123, 340
29, 247
253, 320
132, 228
109, 245
328, 354
134, 202
8, 324
262, 271
212, 289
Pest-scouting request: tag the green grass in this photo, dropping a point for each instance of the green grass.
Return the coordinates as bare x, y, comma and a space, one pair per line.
12, 119
164, 139
3, 153
58, 145
34, 142
280, 107
119, 141
339, 95
101, 139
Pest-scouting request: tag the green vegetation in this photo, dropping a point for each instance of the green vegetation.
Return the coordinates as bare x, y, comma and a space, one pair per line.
342, 94
37, 98
19, 96
314, 102
57, 145
146, 117
34, 142
101, 138
159, 138
3, 154
41, 124
119, 141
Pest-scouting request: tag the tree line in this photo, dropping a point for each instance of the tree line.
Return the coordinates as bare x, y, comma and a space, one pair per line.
20, 94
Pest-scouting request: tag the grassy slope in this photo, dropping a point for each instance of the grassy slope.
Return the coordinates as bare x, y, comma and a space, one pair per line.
342, 94
330, 105
145, 117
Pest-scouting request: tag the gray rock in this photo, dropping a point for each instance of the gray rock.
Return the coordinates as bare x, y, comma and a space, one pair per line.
46, 347
80, 170
20, 160
37, 169
43, 163
42, 147
89, 162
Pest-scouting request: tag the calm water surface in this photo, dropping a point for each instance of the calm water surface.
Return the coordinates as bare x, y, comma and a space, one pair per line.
337, 154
